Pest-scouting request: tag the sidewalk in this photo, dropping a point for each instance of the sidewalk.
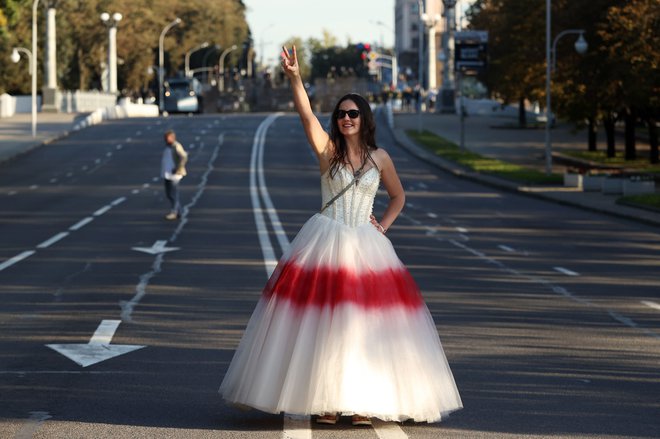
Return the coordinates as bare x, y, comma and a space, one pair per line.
485, 135
16, 132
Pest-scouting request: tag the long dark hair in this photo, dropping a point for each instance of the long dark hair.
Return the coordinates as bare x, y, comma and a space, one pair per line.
367, 133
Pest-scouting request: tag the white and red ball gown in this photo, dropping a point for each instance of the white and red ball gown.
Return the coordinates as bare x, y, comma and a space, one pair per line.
341, 325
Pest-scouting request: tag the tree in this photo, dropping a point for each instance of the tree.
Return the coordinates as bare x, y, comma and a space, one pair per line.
82, 39
631, 42
516, 68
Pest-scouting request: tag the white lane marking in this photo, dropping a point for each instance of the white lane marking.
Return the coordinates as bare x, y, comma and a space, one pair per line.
270, 261
118, 201
52, 240
554, 288
128, 140
119, 147
34, 186
108, 154
80, 224
138, 133
127, 307
53, 180
431, 215
12, 193
32, 424
270, 208
297, 427
422, 185
102, 210
197, 138
18, 258
98, 348
651, 304
69, 174
565, 271
410, 205
135, 191
462, 230
84, 168
388, 430
506, 248
146, 185
158, 247
105, 331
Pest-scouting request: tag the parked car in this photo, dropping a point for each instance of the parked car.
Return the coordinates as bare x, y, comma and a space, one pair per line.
183, 95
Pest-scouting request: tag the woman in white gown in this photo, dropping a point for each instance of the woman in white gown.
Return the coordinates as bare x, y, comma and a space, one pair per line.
341, 327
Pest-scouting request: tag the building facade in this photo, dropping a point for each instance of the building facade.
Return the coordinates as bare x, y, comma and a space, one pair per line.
411, 29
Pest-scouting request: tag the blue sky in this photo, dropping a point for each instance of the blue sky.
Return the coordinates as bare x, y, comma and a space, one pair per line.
273, 21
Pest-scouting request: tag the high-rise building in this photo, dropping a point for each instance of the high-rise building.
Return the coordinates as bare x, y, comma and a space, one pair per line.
411, 30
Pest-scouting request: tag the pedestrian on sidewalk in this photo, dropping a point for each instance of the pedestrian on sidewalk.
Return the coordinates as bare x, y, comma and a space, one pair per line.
173, 169
341, 327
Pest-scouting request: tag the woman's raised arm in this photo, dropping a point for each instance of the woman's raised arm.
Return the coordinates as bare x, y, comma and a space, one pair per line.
316, 135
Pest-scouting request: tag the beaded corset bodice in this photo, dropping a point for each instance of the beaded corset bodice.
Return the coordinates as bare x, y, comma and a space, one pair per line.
354, 207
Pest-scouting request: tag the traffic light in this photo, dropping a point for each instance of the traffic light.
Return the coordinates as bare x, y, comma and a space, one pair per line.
364, 49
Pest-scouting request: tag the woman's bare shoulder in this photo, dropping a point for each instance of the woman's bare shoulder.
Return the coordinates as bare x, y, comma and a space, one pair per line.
381, 157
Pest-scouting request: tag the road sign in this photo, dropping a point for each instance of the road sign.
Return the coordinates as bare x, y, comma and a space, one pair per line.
471, 52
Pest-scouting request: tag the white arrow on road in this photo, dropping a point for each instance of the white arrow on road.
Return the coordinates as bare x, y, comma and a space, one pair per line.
157, 248
98, 349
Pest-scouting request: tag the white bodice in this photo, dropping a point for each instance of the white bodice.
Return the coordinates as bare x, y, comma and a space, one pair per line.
354, 207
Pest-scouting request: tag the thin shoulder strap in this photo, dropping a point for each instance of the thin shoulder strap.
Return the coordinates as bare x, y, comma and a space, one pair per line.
343, 191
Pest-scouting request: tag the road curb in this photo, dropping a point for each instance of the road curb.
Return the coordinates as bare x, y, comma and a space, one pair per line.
452, 168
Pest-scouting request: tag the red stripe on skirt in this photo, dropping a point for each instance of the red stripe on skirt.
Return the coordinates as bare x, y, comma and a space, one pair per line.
331, 287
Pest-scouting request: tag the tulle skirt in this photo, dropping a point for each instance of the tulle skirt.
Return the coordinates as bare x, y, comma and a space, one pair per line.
341, 327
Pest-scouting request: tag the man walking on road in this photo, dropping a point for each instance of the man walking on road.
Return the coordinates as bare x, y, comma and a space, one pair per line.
173, 169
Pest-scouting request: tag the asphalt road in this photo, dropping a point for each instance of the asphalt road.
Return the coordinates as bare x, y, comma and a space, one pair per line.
549, 315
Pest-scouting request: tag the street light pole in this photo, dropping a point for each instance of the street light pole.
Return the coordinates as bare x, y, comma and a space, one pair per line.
550, 57
221, 67
34, 67
395, 67
429, 25
186, 63
111, 22
161, 71
15, 57
448, 92
420, 67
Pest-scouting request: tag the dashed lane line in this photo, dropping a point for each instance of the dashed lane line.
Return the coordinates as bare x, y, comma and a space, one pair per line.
651, 304
52, 240
80, 224
18, 258
102, 210
506, 248
566, 271
58, 237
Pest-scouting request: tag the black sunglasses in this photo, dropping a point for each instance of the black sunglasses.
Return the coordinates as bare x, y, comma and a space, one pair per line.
351, 113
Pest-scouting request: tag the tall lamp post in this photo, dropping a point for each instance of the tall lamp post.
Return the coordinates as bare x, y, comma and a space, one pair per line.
393, 58
16, 57
581, 47
429, 25
221, 66
448, 92
161, 69
111, 22
186, 63
34, 67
